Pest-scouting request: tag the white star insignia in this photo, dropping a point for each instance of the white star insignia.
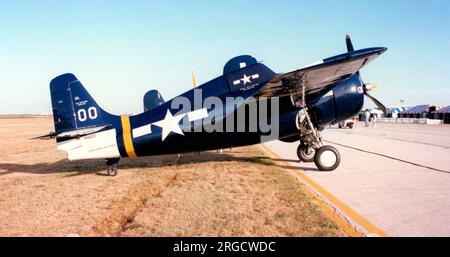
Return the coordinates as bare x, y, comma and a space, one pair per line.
246, 79
170, 124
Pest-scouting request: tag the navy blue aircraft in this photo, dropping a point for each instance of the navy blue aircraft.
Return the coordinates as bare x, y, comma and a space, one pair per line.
309, 99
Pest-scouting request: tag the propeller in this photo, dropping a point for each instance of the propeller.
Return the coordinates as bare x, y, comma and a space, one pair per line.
349, 43
369, 86
376, 102
194, 80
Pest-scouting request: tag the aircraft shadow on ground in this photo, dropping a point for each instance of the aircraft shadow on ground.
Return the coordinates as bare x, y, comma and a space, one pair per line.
98, 167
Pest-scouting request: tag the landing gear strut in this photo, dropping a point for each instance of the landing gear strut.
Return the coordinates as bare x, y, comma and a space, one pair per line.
311, 149
112, 164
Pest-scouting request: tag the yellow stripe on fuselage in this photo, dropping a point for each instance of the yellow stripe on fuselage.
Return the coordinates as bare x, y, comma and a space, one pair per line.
127, 140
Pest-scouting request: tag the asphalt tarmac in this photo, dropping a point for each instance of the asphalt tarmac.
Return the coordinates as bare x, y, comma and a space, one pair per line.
397, 176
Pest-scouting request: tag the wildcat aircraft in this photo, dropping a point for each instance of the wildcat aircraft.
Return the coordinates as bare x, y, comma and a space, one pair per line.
308, 100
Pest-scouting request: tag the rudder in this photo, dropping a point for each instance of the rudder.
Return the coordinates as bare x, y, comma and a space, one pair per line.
73, 107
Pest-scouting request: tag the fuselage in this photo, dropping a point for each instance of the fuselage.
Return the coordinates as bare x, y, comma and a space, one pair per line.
271, 119
223, 100
249, 104
222, 113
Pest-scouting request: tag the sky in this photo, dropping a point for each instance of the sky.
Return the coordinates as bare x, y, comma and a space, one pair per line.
121, 49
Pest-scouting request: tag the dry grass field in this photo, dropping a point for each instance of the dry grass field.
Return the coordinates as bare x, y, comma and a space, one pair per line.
238, 193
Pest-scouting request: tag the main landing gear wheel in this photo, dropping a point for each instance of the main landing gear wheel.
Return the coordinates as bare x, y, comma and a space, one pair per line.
305, 153
327, 158
112, 167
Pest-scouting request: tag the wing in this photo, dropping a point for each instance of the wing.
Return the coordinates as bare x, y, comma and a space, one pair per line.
316, 77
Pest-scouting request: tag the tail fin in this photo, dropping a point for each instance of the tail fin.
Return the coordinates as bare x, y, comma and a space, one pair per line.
73, 107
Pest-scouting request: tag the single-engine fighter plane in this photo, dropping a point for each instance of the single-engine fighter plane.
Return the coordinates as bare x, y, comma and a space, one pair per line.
309, 99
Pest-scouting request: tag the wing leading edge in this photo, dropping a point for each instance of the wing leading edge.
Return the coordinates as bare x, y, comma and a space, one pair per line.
317, 77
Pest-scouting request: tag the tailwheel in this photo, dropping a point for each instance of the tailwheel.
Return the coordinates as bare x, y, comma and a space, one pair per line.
112, 171
112, 167
327, 158
305, 153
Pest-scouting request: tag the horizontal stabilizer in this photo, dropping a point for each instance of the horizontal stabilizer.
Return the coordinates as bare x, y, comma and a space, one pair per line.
82, 132
50, 135
74, 133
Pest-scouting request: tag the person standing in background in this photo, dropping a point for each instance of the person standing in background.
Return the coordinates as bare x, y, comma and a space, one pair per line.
367, 118
374, 120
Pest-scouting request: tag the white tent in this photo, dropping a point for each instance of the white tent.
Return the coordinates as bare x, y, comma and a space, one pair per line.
377, 112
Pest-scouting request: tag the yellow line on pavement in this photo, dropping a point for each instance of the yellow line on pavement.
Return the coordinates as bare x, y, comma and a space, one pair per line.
349, 212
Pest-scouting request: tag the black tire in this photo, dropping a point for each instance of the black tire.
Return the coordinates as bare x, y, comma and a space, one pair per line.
325, 152
303, 155
112, 164
351, 126
112, 171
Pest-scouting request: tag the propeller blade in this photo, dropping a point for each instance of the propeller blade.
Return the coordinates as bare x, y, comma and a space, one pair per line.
194, 80
350, 48
378, 103
371, 86
348, 40
367, 87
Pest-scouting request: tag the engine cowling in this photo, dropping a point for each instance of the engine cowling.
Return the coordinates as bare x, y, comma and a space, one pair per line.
343, 101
